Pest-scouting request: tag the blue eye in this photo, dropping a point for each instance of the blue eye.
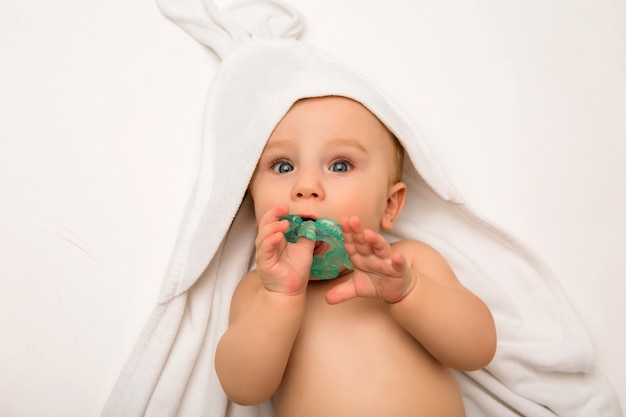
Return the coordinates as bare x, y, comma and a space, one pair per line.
282, 167
340, 166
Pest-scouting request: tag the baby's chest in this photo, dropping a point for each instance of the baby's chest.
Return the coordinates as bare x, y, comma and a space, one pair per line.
356, 355
351, 332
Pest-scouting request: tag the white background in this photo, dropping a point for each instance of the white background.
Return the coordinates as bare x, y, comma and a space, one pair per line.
524, 104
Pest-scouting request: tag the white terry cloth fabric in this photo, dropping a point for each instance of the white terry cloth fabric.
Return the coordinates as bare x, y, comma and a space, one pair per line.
544, 365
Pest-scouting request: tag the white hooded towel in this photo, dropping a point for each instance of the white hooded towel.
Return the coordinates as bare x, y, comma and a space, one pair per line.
544, 364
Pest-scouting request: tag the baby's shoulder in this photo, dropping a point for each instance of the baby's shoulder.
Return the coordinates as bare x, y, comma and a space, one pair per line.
424, 258
415, 248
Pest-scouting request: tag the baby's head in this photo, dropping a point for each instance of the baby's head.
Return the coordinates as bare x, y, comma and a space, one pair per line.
331, 157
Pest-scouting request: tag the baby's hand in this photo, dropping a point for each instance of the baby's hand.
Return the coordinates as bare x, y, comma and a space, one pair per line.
378, 273
283, 267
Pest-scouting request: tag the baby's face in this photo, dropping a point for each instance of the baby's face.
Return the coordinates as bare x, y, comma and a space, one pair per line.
328, 157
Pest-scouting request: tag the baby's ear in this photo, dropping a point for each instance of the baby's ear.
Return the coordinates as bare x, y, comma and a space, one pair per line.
395, 202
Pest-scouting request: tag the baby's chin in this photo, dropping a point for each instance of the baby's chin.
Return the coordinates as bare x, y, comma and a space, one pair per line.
342, 271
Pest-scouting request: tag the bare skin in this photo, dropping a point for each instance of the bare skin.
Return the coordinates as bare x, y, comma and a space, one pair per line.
379, 340
354, 359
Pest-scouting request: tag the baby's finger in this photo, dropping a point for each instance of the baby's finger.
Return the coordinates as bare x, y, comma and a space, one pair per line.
266, 247
340, 293
399, 262
377, 244
350, 225
273, 215
352, 233
270, 229
272, 235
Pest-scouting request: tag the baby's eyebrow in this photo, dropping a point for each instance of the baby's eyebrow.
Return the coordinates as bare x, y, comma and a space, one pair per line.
277, 144
349, 142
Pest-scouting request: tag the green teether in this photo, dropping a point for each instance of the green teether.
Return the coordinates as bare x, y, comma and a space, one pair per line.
325, 230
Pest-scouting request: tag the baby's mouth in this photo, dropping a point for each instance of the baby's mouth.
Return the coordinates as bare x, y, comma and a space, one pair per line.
320, 248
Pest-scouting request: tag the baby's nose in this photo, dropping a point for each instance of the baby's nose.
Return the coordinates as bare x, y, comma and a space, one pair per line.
312, 194
308, 187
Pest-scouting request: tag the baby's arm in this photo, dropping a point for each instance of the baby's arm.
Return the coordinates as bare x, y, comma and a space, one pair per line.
452, 323
266, 311
423, 294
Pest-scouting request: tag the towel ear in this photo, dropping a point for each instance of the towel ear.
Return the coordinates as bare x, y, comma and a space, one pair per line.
225, 29
267, 19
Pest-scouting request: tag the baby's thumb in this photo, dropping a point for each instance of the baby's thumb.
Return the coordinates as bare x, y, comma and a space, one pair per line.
340, 293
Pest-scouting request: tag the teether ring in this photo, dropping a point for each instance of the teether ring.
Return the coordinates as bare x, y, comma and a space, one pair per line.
325, 230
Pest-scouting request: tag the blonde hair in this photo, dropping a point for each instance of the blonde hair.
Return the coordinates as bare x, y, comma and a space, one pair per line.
398, 162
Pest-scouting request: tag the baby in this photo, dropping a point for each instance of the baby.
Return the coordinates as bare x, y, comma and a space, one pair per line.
379, 340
